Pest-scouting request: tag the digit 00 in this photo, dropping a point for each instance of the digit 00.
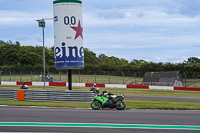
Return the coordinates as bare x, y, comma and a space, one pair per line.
69, 21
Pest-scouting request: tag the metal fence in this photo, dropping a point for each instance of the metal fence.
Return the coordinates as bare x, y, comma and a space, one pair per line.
49, 95
77, 77
108, 77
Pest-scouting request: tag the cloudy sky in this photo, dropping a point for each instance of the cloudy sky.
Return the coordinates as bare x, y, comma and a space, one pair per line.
152, 30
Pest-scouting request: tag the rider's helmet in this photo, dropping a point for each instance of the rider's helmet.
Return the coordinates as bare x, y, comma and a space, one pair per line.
94, 84
105, 91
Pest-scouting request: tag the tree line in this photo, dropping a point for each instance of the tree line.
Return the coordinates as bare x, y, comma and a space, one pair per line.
14, 57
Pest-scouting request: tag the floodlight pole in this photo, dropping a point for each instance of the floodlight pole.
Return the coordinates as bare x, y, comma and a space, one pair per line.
42, 24
44, 57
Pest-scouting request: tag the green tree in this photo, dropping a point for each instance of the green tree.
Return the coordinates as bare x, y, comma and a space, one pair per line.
90, 57
192, 60
30, 58
10, 54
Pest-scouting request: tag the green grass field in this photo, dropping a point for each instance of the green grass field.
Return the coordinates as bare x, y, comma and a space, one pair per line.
131, 103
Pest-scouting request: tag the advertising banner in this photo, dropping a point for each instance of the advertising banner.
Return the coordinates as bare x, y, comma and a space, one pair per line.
68, 34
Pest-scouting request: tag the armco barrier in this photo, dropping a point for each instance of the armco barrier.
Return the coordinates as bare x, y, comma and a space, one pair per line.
186, 88
115, 86
52, 95
78, 84
87, 84
90, 84
27, 83
102, 85
138, 86
8, 83
57, 83
8, 93
162, 87
46, 95
40, 83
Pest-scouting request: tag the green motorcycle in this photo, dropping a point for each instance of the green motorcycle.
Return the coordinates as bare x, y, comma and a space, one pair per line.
110, 100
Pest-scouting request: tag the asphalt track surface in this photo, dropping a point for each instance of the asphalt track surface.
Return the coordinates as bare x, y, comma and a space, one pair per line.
105, 116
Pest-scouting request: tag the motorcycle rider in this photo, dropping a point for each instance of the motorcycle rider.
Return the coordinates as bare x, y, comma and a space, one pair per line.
94, 86
105, 92
108, 103
24, 86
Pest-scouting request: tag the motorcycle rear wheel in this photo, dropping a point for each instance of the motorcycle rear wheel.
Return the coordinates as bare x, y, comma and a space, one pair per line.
120, 105
96, 105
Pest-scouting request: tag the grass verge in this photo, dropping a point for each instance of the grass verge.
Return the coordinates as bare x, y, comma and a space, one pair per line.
130, 104
162, 104
46, 104
126, 91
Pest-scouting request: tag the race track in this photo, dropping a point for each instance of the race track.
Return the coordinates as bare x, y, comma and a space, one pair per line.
40, 119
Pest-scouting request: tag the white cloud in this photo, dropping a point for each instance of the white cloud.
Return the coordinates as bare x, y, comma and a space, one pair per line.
35, 40
153, 30
135, 17
183, 7
24, 37
16, 18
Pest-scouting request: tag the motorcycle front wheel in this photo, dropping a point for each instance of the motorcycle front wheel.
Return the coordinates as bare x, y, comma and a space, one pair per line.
120, 105
96, 105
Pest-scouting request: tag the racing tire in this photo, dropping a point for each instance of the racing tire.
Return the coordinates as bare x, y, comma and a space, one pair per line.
96, 105
120, 105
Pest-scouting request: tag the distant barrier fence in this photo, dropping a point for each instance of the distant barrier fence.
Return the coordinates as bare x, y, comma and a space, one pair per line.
103, 85
46, 95
77, 76
131, 78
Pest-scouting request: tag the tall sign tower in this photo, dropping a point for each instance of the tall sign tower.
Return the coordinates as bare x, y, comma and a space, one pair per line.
68, 36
